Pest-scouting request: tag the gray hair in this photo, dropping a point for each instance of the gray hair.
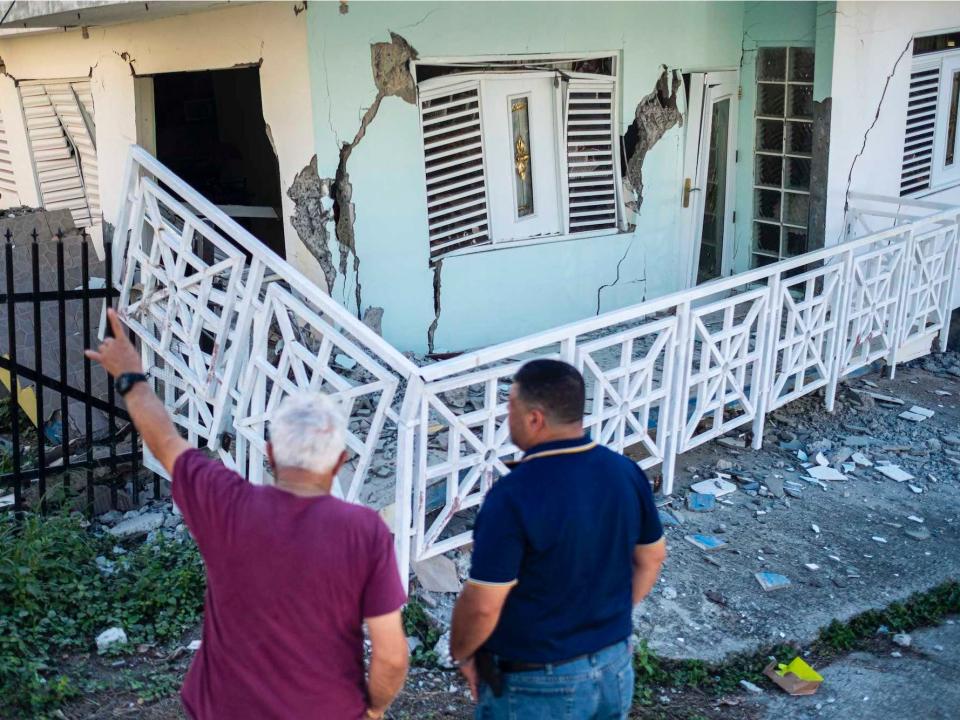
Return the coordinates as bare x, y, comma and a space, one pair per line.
307, 431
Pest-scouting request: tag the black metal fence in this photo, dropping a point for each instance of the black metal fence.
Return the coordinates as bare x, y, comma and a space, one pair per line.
68, 442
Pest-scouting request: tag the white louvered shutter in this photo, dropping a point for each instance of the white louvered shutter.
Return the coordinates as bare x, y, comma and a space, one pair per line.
60, 126
8, 185
591, 159
921, 122
457, 214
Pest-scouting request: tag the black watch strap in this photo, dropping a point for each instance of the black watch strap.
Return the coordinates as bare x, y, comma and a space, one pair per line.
125, 382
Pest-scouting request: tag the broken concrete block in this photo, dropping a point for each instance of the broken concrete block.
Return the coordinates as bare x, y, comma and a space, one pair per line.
345, 361
137, 525
775, 486
438, 574
771, 580
894, 472
912, 416
917, 533
815, 528
880, 397
750, 687
821, 459
861, 459
732, 442
715, 486
707, 543
824, 472
701, 502
109, 638
902, 639
881, 540
915, 489
812, 567
668, 519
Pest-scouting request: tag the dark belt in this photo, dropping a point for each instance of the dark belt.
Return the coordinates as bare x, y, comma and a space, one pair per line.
516, 666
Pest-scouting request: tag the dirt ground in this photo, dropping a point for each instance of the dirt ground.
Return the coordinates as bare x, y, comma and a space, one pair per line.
707, 606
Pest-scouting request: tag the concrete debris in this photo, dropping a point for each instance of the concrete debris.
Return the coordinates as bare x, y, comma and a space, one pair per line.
194, 645
860, 459
880, 397
821, 459
732, 442
669, 593
442, 651
701, 502
669, 519
917, 414
815, 528
771, 580
915, 519
894, 472
812, 567
881, 540
110, 638
915, 489
137, 525
438, 574
716, 486
902, 639
825, 472
775, 486
708, 543
917, 533
345, 361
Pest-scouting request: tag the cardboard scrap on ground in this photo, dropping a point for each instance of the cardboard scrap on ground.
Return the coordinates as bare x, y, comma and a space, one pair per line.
894, 472
795, 678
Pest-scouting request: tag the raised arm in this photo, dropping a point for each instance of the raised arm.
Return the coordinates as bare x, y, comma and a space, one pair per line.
117, 355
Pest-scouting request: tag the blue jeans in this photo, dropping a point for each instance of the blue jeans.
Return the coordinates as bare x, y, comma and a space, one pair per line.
595, 687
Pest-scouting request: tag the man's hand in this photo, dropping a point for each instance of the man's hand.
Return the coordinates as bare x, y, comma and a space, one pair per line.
468, 669
117, 354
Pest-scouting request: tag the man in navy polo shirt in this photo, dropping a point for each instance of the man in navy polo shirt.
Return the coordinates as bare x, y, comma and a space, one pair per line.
564, 546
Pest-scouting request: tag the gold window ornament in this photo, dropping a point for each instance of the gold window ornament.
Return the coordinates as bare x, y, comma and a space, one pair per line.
523, 179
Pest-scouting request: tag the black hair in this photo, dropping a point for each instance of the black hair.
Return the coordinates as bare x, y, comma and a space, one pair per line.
554, 387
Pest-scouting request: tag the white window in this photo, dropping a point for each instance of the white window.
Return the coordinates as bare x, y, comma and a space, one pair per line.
931, 147
63, 145
519, 150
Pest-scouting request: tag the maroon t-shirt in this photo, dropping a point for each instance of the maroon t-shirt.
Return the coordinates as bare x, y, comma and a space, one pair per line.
289, 582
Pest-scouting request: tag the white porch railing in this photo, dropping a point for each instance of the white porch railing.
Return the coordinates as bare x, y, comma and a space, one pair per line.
228, 328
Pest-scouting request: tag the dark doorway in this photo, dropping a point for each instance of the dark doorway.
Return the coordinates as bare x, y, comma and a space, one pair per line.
210, 131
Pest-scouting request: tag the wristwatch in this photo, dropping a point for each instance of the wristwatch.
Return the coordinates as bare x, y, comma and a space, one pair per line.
125, 382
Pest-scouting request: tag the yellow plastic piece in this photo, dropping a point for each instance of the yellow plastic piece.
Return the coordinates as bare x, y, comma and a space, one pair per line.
27, 397
799, 668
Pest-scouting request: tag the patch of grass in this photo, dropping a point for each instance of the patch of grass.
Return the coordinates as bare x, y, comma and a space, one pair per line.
54, 601
417, 624
919, 610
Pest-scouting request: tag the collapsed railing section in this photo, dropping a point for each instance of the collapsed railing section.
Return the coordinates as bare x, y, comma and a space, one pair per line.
229, 328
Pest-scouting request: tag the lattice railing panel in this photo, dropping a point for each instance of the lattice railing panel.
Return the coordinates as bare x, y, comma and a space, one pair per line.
932, 265
806, 332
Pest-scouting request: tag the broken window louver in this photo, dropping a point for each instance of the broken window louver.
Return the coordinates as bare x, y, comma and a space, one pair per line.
454, 166
62, 136
591, 171
915, 172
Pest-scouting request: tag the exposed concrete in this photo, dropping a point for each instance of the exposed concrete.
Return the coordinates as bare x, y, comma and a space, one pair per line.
390, 62
865, 686
437, 269
313, 210
817, 218
655, 114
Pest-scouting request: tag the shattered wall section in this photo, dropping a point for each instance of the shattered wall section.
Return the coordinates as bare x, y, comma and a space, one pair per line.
655, 114
319, 201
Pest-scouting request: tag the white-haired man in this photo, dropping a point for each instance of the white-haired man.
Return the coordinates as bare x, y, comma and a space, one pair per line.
293, 573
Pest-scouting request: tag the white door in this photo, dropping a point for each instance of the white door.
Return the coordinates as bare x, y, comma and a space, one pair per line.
709, 186
520, 128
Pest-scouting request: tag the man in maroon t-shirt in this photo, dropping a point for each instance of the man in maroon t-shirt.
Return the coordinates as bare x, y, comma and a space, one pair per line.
293, 573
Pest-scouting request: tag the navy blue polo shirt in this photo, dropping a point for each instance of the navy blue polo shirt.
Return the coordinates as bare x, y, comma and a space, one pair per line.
563, 526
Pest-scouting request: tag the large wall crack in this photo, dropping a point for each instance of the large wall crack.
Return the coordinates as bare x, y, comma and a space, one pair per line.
655, 114
319, 201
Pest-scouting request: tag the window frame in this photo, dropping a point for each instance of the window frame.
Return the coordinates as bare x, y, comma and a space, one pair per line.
941, 176
436, 85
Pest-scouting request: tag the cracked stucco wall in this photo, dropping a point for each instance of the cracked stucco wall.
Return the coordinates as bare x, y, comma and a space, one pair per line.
868, 43
324, 208
493, 296
266, 33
